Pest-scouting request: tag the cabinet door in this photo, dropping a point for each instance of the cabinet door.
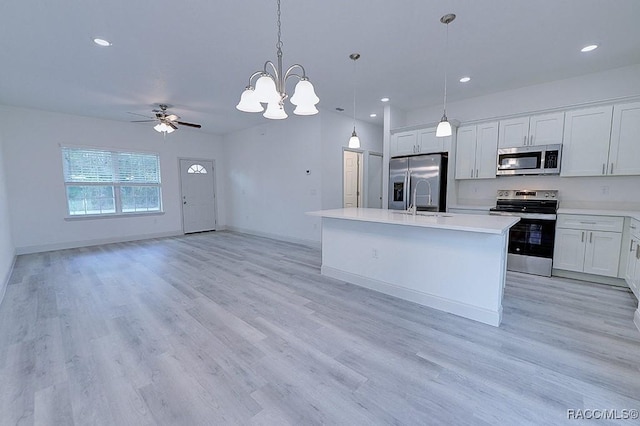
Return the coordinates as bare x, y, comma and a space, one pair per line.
569, 248
514, 132
428, 142
602, 253
466, 152
624, 154
546, 129
585, 146
403, 143
630, 270
635, 282
486, 150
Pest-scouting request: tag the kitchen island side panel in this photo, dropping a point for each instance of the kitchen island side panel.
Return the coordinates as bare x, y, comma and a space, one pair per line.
460, 272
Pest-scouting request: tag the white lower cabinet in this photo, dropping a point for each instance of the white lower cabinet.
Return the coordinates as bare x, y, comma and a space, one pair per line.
632, 271
589, 244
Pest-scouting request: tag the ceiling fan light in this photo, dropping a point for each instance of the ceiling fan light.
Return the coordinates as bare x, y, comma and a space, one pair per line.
160, 127
304, 94
444, 127
266, 91
354, 140
170, 129
248, 101
305, 110
275, 111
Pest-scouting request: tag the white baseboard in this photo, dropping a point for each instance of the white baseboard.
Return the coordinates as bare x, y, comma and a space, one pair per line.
485, 316
97, 242
304, 242
636, 318
5, 282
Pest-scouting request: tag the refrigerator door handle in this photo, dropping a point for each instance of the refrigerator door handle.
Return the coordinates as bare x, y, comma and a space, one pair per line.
407, 182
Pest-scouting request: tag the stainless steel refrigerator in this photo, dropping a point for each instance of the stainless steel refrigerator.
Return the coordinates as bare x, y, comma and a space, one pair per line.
422, 175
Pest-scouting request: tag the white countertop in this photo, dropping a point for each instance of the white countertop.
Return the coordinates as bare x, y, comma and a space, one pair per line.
601, 212
458, 222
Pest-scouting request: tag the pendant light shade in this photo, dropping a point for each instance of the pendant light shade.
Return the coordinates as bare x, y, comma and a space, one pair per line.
444, 127
354, 140
270, 88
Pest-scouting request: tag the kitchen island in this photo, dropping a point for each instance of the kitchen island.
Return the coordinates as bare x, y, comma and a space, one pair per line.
451, 262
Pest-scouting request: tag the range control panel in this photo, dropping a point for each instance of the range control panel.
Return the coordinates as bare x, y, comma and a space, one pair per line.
527, 194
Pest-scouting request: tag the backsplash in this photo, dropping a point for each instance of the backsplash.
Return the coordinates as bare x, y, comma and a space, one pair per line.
610, 193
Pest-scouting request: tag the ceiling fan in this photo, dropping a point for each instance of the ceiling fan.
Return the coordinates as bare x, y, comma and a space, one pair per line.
167, 122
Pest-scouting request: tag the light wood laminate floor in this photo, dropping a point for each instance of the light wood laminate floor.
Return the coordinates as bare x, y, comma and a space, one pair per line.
223, 328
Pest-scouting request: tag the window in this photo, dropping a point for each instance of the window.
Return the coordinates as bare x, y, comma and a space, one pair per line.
197, 168
110, 182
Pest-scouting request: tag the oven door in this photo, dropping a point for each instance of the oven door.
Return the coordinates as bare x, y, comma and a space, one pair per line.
533, 237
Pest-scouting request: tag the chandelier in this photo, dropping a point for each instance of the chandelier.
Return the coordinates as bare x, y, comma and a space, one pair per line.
270, 88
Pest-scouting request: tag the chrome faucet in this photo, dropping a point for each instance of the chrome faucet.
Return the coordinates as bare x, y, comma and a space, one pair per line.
413, 208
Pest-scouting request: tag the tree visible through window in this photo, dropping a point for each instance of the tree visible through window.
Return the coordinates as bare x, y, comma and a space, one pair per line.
109, 182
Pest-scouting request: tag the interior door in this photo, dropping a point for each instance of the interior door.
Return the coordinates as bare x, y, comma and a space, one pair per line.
198, 195
352, 179
374, 182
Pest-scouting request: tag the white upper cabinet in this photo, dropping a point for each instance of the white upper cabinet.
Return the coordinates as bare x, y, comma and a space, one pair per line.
429, 143
624, 152
476, 148
422, 141
542, 129
514, 132
403, 143
585, 148
546, 129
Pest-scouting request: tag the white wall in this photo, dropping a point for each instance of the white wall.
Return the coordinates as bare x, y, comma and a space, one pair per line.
32, 141
269, 189
588, 192
7, 251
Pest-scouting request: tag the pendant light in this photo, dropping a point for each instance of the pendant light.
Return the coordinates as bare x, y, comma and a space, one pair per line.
270, 88
354, 141
444, 127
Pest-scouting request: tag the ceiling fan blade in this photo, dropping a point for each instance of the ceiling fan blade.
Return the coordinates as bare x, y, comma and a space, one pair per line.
182, 123
141, 115
170, 124
172, 117
142, 121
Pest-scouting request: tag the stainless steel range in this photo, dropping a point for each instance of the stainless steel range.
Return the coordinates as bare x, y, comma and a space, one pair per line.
531, 239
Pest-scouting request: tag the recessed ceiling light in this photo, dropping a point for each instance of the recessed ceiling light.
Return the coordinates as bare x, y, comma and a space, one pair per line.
589, 48
465, 79
384, 100
102, 42
374, 115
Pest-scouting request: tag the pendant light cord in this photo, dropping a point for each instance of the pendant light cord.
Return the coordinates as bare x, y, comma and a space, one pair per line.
354, 94
446, 63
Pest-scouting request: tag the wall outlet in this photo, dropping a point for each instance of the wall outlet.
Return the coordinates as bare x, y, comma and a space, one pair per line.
605, 190
374, 253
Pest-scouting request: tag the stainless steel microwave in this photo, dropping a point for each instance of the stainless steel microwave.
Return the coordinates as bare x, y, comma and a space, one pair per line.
529, 160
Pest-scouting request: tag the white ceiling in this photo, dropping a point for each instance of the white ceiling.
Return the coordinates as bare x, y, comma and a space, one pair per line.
198, 54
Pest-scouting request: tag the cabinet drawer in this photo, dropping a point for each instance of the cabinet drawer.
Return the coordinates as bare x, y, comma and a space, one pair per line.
590, 223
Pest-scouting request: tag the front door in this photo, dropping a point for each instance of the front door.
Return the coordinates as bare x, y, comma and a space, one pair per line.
198, 195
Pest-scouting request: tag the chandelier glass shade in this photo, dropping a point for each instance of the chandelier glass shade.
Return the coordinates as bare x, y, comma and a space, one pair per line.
270, 88
164, 127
